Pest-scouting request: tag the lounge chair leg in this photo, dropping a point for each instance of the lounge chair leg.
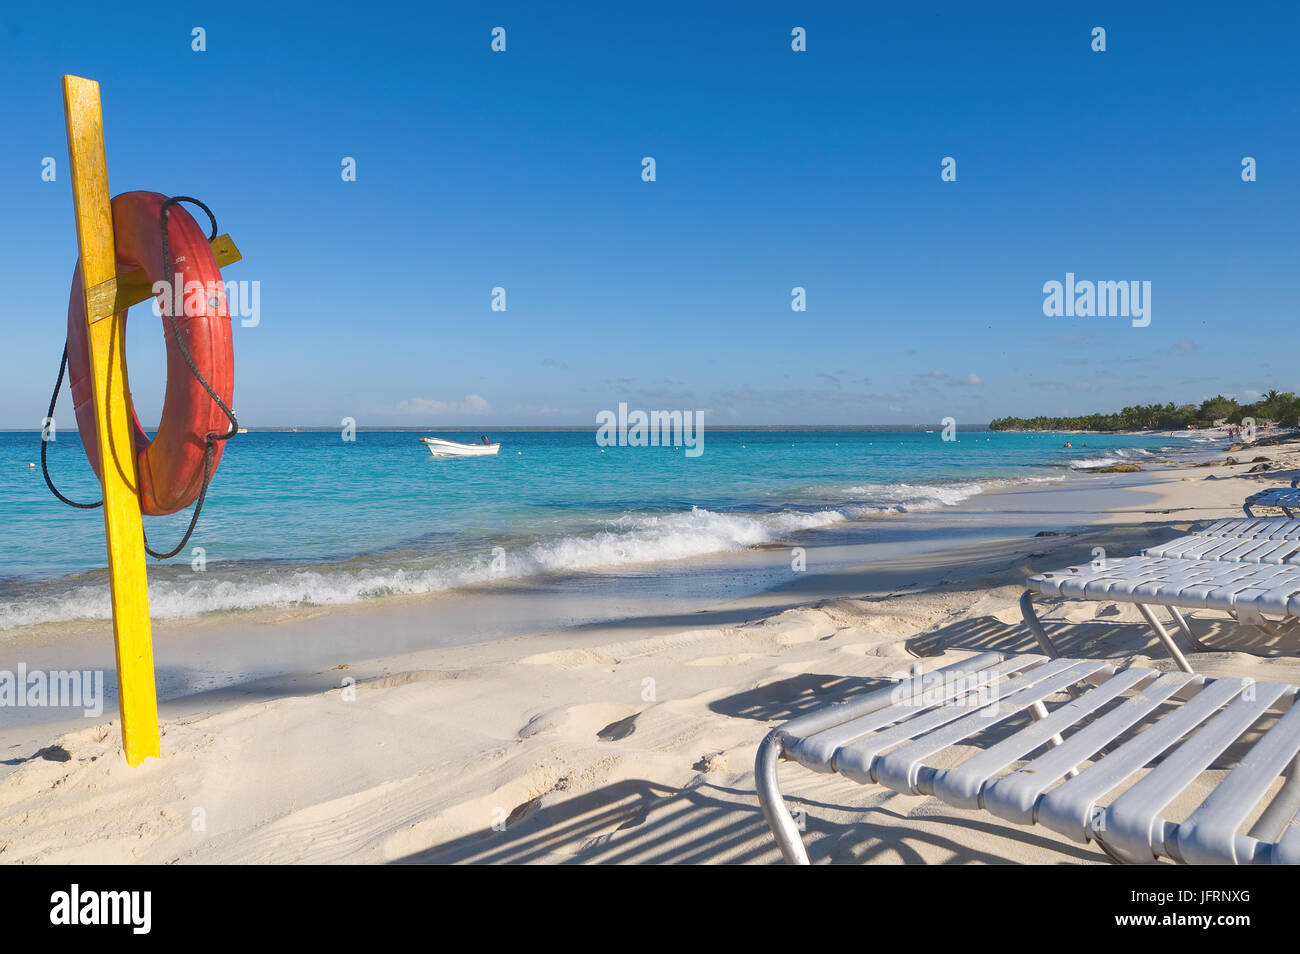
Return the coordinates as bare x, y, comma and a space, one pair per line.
1263, 625
1044, 642
1035, 625
1272, 824
775, 811
1196, 644
1170, 646
1039, 711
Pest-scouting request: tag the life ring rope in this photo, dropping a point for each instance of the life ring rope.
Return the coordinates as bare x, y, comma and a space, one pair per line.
49, 416
211, 438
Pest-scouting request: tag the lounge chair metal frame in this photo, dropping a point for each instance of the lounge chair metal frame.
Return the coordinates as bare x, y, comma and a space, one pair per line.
1166, 638
1158, 731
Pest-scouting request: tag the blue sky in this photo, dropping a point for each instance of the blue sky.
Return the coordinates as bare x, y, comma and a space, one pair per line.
775, 169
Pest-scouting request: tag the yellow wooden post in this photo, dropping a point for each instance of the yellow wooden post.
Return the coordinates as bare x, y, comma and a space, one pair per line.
123, 526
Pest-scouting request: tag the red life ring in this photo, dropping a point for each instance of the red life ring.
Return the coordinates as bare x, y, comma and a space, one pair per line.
171, 465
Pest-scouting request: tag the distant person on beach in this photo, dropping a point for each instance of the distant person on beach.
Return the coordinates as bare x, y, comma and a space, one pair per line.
1068, 444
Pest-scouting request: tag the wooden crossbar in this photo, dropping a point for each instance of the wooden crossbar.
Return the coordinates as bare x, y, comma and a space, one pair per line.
119, 293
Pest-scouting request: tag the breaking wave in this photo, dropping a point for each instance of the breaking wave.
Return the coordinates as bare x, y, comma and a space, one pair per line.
175, 592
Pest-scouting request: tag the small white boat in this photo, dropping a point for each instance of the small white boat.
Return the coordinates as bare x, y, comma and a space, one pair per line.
440, 448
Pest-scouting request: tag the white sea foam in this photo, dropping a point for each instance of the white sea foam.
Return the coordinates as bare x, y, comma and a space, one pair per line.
905, 498
627, 540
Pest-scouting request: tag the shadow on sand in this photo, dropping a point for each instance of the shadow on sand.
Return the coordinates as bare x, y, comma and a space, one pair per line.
638, 821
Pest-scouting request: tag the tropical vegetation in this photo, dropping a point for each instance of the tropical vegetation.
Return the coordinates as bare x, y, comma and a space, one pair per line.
1279, 407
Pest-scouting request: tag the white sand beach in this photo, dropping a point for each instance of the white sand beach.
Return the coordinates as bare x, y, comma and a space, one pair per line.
625, 740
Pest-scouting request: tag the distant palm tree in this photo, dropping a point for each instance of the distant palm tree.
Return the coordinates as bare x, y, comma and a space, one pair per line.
1270, 405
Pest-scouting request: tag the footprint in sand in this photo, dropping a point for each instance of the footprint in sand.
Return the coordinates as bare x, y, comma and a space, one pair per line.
618, 730
582, 721
522, 811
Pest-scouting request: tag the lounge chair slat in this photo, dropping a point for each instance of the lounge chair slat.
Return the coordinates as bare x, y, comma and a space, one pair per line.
1130, 820
1015, 796
854, 759
818, 739
1209, 835
1070, 808
812, 722
962, 784
900, 769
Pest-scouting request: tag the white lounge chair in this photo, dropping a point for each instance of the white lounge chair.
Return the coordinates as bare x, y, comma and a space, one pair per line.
1286, 499
1104, 764
1247, 591
1248, 566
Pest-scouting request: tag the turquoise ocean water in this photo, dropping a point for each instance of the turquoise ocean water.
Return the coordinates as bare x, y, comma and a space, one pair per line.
308, 518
